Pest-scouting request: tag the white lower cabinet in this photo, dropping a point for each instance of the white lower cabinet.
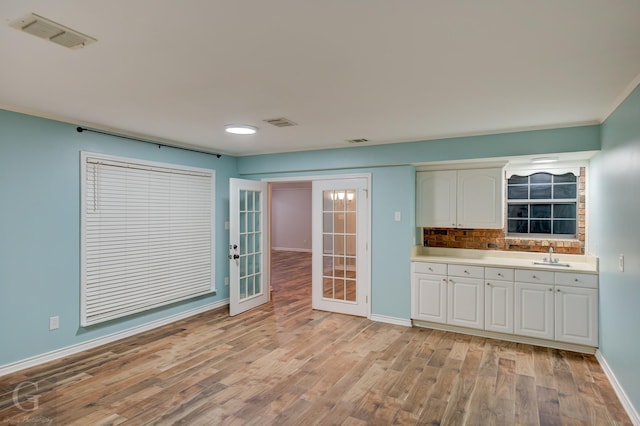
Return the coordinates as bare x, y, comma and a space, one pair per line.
576, 315
548, 305
465, 296
498, 300
429, 292
534, 314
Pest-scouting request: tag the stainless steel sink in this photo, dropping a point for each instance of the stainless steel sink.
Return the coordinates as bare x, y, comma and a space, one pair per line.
566, 265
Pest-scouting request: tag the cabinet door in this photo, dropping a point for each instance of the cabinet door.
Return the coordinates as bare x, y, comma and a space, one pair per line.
465, 302
480, 198
576, 312
498, 306
534, 313
436, 199
429, 298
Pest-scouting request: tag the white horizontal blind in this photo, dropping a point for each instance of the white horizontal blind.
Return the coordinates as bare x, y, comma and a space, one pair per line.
147, 236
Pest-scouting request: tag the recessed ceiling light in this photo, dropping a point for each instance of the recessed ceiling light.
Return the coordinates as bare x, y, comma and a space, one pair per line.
240, 129
540, 160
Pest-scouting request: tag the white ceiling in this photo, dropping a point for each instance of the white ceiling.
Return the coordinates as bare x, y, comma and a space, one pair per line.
388, 71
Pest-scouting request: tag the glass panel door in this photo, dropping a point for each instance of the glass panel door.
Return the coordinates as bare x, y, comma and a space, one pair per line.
340, 252
248, 285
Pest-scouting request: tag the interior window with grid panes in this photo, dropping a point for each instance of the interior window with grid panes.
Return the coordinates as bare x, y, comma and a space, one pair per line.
542, 203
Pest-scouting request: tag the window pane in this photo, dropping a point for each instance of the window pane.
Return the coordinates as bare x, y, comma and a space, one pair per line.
541, 178
518, 193
564, 210
518, 179
520, 226
564, 191
540, 226
564, 227
540, 211
540, 192
518, 210
569, 177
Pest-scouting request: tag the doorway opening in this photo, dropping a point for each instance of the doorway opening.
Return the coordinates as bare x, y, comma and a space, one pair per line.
290, 239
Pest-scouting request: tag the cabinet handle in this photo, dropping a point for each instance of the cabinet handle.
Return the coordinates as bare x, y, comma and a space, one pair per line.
453, 224
576, 280
489, 284
460, 225
466, 272
431, 269
499, 274
550, 289
534, 277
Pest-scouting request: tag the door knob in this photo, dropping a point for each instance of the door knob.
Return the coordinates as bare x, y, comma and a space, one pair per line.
236, 256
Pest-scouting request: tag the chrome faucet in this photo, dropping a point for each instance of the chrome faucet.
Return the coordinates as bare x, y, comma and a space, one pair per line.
551, 259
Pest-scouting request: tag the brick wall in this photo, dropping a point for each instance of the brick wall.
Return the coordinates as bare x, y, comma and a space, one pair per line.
496, 239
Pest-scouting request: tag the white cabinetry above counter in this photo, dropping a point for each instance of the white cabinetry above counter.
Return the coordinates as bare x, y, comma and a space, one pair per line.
557, 309
470, 198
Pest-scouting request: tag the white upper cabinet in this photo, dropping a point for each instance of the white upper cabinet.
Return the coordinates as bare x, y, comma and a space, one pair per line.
471, 198
437, 200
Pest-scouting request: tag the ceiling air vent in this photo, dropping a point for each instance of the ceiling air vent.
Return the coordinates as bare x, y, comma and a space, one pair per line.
280, 122
45, 28
361, 140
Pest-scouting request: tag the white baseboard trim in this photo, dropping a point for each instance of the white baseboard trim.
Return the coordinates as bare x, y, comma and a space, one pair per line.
617, 387
291, 249
93, 343
390, 320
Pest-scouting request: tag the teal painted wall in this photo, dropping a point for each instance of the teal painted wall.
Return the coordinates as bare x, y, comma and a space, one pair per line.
572, 139
39, 215
614, 207
40, 231
392, 189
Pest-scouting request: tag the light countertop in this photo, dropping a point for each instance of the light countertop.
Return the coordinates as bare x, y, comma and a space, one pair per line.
504, 259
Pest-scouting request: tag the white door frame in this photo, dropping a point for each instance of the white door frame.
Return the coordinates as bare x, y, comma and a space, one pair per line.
311, 178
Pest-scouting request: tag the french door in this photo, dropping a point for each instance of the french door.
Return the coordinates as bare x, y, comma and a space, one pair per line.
248, 269
340, 271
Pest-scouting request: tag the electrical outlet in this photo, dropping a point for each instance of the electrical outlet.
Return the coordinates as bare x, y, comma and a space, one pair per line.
54, 323
621, 263
226, 280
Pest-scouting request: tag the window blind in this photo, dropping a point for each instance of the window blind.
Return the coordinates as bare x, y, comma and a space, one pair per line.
147, 236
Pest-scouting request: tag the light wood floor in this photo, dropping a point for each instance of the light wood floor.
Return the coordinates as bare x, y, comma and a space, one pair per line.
285, 364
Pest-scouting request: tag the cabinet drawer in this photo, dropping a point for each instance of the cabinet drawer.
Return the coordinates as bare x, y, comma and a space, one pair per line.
430, 268
501, 274
466, 271
577, 280
538, 277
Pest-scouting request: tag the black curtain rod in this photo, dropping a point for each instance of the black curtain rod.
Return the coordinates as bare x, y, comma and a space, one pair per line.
160, 145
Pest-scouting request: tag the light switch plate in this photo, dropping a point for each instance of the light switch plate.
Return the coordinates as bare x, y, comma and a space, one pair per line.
397, 216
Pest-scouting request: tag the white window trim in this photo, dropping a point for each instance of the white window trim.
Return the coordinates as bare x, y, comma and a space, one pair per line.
559, 168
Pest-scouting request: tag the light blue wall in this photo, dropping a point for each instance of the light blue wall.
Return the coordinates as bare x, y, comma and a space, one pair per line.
40, 231
614, 207
393, 189
573, 139
39, 215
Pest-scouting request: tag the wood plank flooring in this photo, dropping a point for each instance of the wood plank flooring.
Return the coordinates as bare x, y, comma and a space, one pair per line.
285, 364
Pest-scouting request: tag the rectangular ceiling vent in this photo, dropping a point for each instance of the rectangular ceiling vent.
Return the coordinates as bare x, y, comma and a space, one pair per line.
45, 28
361, 140
280, 122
